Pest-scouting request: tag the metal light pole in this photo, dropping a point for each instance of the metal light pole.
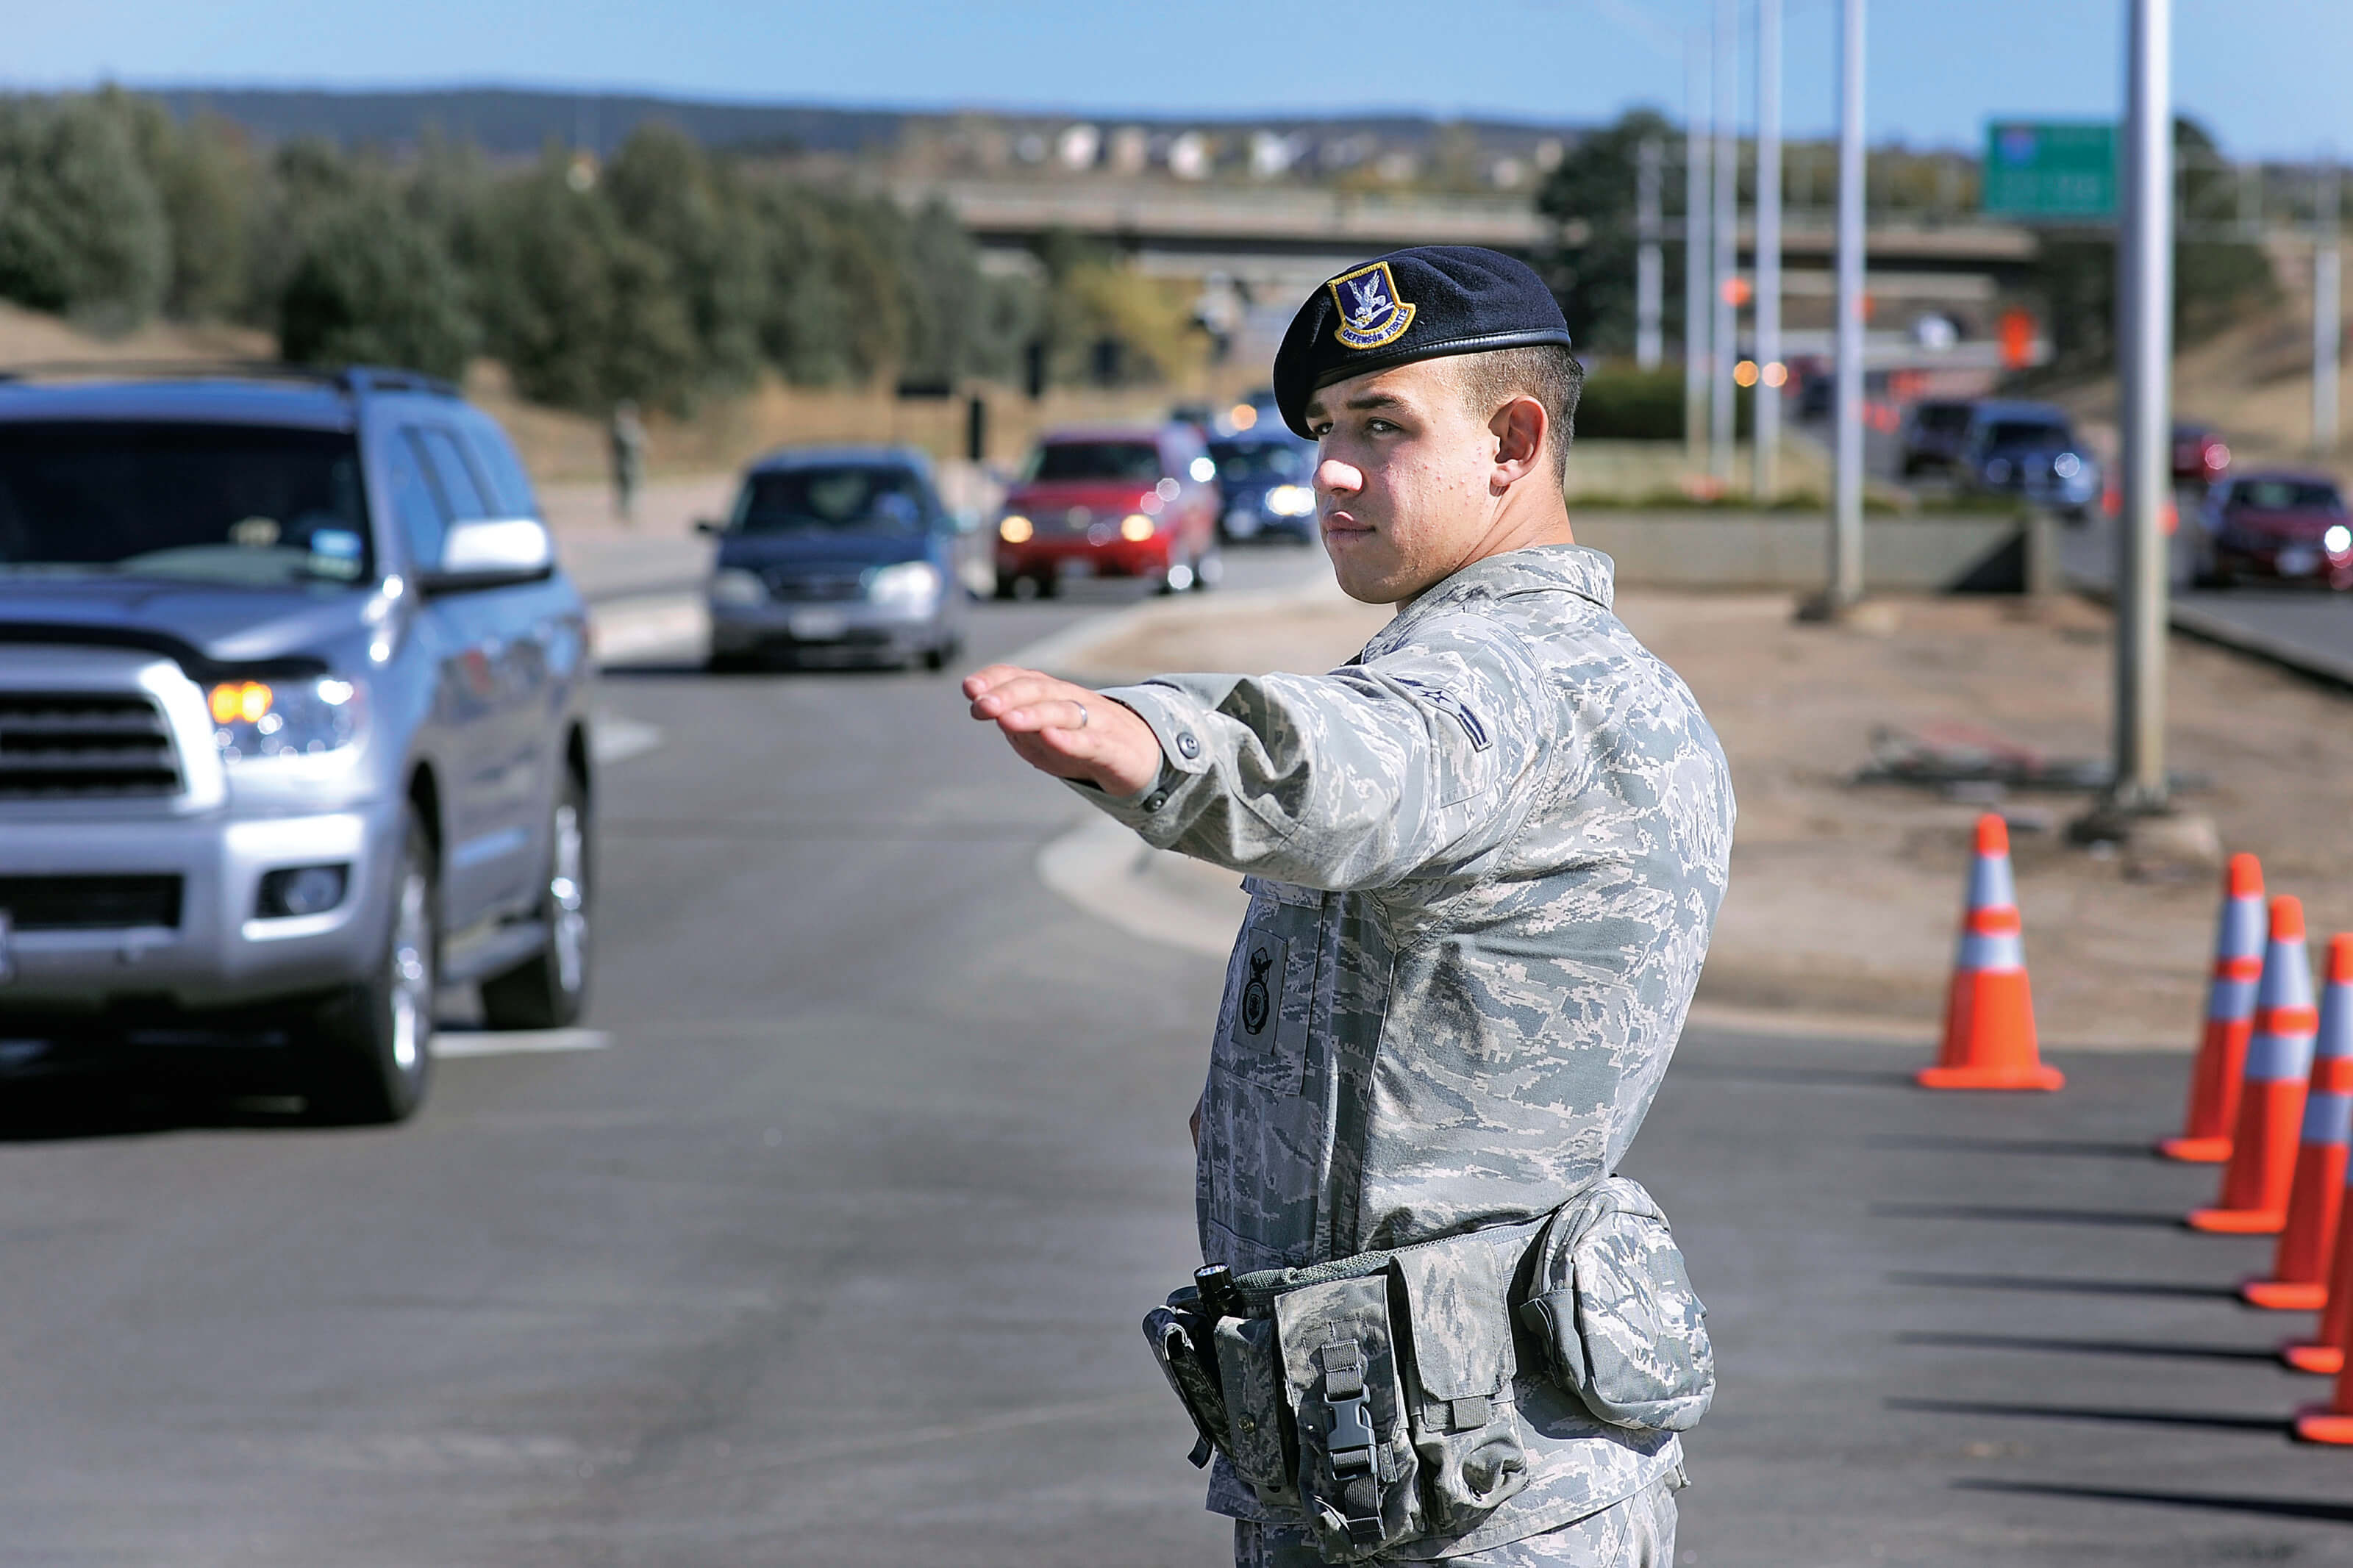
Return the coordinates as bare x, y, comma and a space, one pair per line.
1846, 517
1771, 372
2328, 311
1650, 268
1697, 313
1727, 238
2145, 364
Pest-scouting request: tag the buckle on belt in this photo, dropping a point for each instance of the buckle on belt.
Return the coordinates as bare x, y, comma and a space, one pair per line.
1352, 1437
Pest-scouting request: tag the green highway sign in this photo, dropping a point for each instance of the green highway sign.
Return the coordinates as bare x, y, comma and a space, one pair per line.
2060, 170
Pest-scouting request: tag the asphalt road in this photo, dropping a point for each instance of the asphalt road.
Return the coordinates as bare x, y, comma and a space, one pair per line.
2309, 626
834, 1253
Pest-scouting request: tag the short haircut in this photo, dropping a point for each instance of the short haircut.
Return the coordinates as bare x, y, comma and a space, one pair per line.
1545, 372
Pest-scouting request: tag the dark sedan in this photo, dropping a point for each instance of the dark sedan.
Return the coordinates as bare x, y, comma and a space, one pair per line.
836, 556
1268, 485
1933, 432
2286, 525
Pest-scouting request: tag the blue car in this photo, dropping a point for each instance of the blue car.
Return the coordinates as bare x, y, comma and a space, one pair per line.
1267, 478
2029, 451
836, 556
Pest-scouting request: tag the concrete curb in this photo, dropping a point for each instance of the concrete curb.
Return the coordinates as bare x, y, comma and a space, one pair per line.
638, 625
2207, 627
1068, 652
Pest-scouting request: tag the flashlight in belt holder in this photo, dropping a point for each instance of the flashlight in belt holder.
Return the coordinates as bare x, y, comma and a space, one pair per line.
1220, 1297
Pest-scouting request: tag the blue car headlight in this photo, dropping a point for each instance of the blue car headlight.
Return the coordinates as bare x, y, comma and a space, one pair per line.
913, 586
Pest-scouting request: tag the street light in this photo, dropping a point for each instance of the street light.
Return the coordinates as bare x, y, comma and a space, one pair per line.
1768, 249
2144, 362
1846, 520
1727, 238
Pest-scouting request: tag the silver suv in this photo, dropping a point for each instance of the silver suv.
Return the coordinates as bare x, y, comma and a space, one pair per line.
293, 724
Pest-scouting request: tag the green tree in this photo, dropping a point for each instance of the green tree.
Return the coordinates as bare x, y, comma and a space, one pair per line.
804, 327
210, 184
82, 229
2214, 281
1591, 194
374, 285
582, 311
669, 195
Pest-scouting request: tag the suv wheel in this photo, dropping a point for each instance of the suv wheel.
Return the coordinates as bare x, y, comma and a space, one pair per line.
549, 990
373, 1059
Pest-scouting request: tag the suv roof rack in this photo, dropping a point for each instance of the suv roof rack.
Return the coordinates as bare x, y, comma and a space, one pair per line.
356, 381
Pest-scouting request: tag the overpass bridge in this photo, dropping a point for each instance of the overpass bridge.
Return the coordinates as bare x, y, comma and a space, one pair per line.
1308, 232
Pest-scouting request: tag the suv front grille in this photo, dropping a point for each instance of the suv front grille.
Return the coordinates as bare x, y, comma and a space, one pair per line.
83, 745
89, 903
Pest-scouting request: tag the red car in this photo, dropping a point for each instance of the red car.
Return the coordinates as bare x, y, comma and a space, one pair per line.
2286, 525
1112, 503
2199, 457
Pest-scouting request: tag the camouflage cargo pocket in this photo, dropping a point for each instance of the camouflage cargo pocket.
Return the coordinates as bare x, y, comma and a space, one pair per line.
1459, 1378
1356, 1461
1610, 1302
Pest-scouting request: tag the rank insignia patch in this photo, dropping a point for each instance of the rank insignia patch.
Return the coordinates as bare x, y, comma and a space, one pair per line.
1371, 314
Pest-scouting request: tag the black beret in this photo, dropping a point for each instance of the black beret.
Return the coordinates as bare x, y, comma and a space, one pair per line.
1419, 303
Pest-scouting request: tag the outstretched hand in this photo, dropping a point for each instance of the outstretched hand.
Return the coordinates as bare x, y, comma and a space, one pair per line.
1067, 731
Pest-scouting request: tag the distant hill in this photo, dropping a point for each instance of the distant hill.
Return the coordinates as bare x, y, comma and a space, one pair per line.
519, 122
507, 120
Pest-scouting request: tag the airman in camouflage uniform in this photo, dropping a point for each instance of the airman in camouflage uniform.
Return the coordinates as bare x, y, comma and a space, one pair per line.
1484, 856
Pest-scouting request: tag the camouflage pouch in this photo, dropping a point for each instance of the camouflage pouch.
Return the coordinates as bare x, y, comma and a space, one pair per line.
1258, 1417
1459, 1377
1356, 1460
1179, 1335
1610, 1302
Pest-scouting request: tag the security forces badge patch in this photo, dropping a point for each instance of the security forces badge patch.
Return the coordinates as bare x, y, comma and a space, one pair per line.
1371, 314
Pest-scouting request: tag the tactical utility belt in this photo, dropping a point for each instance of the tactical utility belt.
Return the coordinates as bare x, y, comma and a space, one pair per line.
1374, 1394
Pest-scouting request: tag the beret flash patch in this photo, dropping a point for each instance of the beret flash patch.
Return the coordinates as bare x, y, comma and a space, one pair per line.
1371, 314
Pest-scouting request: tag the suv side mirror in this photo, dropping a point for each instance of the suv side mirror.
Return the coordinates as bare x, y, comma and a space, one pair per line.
492, 552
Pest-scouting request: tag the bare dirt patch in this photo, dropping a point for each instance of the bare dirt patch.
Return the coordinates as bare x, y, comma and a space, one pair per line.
1844, 897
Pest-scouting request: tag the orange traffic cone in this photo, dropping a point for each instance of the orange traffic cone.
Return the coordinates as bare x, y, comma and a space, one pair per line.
2256, 1183
2325, 1352
1990, 1012
2299, 1276
2230, 1016
2332, 1422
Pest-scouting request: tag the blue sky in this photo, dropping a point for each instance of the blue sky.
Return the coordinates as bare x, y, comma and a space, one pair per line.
2268, 75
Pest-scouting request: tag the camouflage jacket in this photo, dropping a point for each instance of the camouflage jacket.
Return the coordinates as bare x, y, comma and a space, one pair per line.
1484, 860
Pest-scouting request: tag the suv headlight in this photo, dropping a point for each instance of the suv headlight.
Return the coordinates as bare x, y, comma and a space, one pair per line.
910, 585
734, 586
256, 719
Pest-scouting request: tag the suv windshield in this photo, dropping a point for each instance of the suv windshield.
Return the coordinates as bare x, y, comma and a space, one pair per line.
1137, 462
1258, 461
245, 505
862, 498
2025, 433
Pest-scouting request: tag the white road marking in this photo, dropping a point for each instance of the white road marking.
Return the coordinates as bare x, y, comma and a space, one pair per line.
447, 1043
613, 738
